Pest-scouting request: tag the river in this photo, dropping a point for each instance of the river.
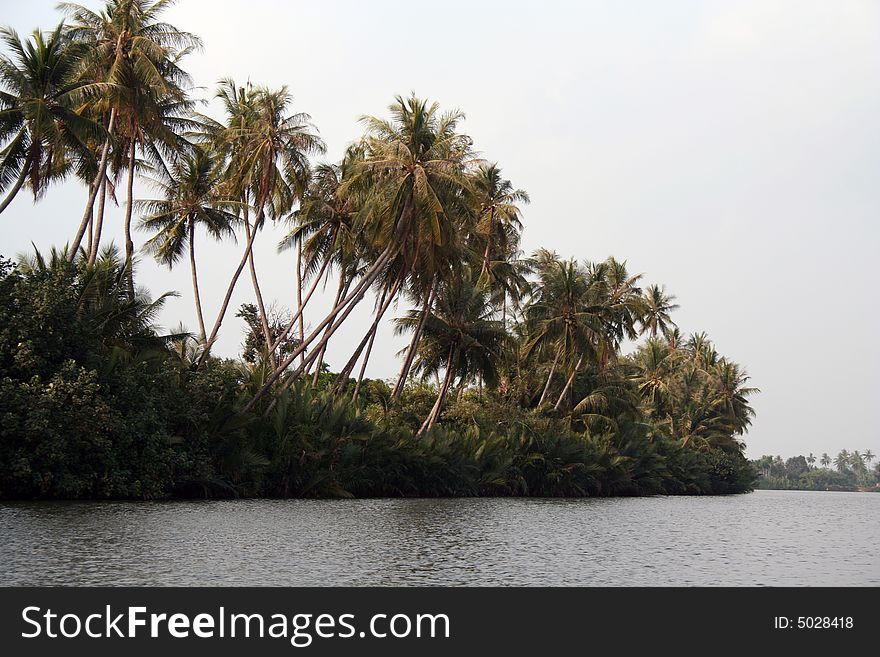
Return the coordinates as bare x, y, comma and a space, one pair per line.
763, 538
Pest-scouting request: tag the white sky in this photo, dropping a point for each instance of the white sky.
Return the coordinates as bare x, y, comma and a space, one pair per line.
729, 150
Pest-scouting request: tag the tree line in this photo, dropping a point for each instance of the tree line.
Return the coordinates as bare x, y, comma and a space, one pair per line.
845, 471
514, 379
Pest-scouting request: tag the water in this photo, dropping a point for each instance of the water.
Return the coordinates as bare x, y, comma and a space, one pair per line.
765, 538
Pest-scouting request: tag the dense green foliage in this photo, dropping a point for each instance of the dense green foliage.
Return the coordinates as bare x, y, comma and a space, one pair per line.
848, 471
550, 376
95, 404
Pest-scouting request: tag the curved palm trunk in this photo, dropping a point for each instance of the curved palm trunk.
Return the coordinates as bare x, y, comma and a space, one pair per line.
414, 343
91, 241
129, 208
303, 302
99, 225
341, 290
489, 240
360, 379
549, 378
195, 280
384, 303
264, 321
335, 318
341, 310
229, 290
434, 415
93, 191
299, 294
299, 311
19, 182
568, 384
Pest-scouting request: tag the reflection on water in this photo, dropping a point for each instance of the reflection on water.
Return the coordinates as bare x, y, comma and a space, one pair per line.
765, 538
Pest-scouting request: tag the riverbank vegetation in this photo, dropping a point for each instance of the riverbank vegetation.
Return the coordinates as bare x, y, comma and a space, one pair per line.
522, 374
847, 471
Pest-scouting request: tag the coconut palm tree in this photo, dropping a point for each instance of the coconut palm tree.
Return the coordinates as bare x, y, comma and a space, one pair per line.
191, 197
43, 136
498, 215
416, 167
413, 176
842, 461
136, 55
460, 338
560, 319
825, 460
657, 309
322, 233
266, 149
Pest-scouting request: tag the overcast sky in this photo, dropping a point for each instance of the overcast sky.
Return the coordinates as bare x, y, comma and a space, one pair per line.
729, 150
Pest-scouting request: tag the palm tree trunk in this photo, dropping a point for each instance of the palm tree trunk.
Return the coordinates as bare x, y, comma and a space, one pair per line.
93, 191
264, 320
441, 396
304, 302
549, 378
414, 343
299, 295
568, 384
360, 379
335, 317
341, 289
342, 308
22, 176
91, 229
214, 331
195, 279
129, 244
99, 225
384, 302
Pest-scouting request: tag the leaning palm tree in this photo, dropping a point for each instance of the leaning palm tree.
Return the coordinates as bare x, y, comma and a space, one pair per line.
266, 148
137, 56
322, 233
414, 171
44, 137
191, 197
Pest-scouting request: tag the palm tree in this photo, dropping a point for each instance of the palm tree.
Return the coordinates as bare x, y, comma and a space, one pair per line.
498, 216
415, 166
825, 460
137, 56
868, 455
559, 318
266, 149
43, 135
842, 461
658, 305
460, 338
811, 460
191, 197
322, 232
414, 181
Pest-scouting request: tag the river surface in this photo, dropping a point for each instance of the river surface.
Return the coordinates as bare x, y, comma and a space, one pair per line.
764, 538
